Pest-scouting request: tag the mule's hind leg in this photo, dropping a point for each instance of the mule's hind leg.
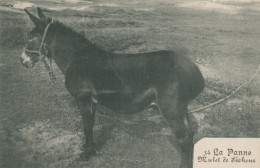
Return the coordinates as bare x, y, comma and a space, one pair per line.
87, 109
175, 111
185, 138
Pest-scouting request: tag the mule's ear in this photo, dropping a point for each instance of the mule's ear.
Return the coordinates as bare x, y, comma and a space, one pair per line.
40, 14
34, 19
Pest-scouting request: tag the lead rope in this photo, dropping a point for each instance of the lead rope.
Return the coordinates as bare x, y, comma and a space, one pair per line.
49, 68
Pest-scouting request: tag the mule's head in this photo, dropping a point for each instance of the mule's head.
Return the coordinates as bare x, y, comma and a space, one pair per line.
32, 51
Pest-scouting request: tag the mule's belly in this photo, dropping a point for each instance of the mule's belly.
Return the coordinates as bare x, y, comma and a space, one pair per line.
128, 103
116, 102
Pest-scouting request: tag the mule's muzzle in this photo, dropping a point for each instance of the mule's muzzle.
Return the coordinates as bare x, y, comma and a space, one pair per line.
27, 61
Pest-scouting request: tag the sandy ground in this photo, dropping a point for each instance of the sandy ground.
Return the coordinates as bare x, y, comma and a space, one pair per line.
41, 127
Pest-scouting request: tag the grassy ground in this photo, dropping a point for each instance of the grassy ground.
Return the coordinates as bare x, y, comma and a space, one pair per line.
41, 126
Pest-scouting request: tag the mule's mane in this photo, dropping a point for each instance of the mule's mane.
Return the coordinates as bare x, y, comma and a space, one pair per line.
75, 37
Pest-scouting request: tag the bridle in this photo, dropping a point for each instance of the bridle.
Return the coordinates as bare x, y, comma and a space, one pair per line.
43, 56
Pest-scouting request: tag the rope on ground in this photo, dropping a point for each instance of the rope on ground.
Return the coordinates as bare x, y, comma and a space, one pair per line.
221, 100
114, 119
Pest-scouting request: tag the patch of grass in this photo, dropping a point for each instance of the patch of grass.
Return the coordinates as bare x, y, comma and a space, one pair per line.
232, 121
115, 40
14, 30
112, 33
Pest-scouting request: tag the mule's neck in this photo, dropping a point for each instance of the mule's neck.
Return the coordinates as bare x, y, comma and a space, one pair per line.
65, 45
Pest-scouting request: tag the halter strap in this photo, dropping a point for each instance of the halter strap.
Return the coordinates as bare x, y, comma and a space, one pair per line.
44, 35
41, 55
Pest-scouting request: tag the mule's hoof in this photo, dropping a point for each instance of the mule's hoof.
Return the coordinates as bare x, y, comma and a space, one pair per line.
86, 155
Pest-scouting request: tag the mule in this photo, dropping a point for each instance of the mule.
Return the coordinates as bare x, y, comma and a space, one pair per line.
128, 83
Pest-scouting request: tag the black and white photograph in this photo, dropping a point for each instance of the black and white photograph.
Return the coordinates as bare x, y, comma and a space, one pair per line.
130, 84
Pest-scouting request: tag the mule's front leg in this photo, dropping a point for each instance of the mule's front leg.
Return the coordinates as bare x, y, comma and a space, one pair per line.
87, 109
